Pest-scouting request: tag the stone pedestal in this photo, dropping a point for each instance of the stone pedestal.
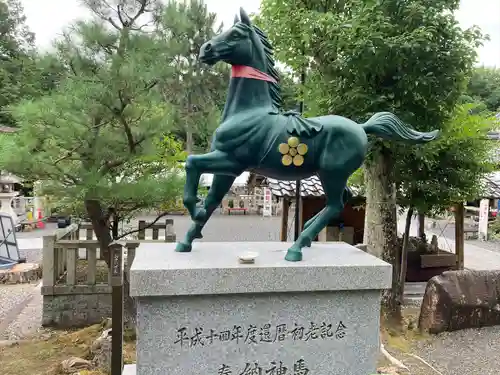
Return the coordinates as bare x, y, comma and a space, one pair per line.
205, 313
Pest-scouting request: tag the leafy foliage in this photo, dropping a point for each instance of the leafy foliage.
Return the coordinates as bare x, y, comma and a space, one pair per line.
97, 136
16, 43
450, 169
361, 57
484, 87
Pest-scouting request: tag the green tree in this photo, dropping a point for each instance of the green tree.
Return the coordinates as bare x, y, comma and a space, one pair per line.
411, 58
16, 48
448, 171
96, 140
195, 91
484, 87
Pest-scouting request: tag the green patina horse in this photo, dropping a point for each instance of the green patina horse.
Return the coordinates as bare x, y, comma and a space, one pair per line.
255, 136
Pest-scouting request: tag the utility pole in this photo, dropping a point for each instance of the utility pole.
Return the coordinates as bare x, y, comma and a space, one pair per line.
297, 182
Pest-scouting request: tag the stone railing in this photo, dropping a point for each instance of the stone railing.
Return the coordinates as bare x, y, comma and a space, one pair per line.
167, 226
77, 283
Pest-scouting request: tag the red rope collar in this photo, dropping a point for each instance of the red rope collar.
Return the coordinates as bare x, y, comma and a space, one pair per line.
242, 71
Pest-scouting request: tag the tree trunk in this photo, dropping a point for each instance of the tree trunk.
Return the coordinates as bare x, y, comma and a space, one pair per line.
100, 226
404, 255
105, 237
130, 308
421, 226
189, 140
381, 221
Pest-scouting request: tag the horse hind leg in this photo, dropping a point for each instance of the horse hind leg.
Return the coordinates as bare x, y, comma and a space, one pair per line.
334, 185
220, 186
347, 195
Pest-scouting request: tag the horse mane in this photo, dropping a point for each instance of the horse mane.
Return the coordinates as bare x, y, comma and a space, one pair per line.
274, 87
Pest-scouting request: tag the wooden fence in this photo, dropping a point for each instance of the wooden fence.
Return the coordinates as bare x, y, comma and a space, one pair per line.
144, 228
77, 283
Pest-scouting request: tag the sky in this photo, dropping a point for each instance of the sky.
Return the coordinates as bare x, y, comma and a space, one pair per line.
48, 18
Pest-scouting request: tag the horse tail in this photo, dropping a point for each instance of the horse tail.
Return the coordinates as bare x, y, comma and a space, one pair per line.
388, 126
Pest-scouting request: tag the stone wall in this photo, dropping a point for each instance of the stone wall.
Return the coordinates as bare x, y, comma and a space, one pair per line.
75, 310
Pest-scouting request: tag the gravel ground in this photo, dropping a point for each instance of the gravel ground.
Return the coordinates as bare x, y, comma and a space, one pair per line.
493, 245
11, 296
28, 321
466, 352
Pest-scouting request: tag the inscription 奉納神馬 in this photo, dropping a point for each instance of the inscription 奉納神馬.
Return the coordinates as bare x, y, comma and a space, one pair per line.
252, 334
273, 368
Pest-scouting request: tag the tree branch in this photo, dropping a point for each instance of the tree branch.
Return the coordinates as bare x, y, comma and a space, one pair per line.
163, 214
113, 23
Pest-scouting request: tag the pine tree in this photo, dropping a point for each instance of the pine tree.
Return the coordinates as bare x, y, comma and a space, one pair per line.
16, 45
196, 92
96, 140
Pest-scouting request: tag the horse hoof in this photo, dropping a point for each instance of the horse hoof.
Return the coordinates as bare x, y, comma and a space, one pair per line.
293, 256
183, 247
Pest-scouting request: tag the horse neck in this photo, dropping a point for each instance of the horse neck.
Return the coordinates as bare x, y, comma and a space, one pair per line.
245, 94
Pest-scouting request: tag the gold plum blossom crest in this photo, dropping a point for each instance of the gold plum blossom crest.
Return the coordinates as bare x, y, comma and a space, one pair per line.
293, 152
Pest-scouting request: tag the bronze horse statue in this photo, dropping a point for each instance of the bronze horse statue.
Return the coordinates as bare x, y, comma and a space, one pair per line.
255, 136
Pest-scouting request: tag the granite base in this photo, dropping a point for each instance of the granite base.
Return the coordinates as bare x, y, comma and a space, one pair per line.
204, 313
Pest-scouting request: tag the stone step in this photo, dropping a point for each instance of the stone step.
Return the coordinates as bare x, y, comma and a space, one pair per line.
412, 289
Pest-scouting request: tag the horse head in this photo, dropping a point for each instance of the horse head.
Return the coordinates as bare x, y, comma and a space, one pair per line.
240, 45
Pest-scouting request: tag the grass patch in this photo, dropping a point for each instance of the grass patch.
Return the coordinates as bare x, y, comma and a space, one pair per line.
401, 336
44, 356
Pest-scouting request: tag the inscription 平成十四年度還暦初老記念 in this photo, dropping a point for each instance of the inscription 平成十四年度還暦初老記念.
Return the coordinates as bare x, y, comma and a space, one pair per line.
273, 368
253, 334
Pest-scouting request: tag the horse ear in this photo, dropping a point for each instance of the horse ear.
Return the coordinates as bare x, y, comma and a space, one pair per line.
236, 19
244, 17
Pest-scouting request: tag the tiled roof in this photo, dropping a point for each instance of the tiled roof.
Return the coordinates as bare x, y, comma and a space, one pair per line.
491, 188
309, 187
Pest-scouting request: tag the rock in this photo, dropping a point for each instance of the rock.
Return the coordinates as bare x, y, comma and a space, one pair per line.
461, 299
434, 244
101, 351
74, 364
107, 323
387, 371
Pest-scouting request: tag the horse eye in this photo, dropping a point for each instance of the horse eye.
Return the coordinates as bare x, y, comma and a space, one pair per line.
235, 35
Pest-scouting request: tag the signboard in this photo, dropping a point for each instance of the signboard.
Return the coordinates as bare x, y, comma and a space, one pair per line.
268, 203
483, 219
8, 242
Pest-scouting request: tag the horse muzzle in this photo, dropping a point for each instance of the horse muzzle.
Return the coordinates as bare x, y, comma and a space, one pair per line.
208, 55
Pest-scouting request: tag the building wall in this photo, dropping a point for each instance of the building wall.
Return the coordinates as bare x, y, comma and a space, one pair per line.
352, 216
75, 310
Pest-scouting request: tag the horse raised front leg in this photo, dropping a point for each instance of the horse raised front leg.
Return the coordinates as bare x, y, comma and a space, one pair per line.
216, 162
220, 186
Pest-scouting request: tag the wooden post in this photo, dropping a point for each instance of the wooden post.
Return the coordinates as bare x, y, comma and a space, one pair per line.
156, 232
284, 219
117, 309
71, 258
141, 235
169, 230
49, 259
92, 265
459, 235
